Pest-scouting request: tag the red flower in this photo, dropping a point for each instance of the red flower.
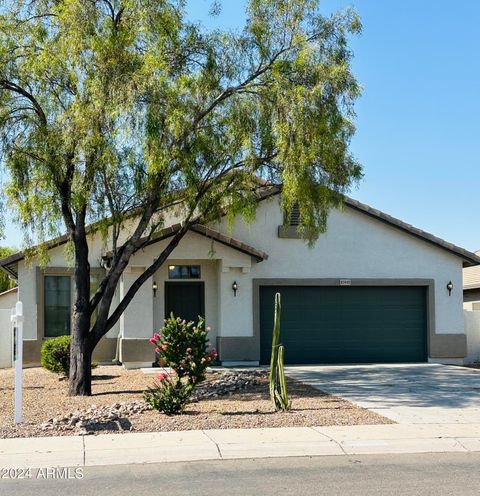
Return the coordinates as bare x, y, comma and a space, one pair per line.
153, 340
162, 376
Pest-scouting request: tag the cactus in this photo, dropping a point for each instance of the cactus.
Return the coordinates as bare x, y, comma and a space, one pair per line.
278, 383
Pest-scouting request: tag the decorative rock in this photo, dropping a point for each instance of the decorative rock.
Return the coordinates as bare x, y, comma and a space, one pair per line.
115, 416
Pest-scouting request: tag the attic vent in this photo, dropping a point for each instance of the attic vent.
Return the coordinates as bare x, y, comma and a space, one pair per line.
295, 216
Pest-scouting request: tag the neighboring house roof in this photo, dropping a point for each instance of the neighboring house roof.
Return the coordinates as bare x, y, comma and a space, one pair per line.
9, 291
266, 191
471, 276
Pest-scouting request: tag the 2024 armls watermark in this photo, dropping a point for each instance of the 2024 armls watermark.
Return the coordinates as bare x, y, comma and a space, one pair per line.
45, 473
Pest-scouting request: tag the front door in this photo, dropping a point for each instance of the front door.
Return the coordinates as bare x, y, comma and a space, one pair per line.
185, 300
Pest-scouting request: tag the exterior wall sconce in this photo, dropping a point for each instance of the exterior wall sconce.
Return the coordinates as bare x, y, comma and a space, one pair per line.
154, 288
235, 288
106, 262
450, 287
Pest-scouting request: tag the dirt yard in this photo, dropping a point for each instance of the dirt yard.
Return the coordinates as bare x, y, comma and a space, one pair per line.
45, 397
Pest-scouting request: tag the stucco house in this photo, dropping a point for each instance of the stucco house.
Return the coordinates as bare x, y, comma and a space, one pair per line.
372, 289
471, 287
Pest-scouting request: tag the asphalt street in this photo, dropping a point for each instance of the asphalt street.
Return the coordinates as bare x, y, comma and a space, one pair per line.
407, 474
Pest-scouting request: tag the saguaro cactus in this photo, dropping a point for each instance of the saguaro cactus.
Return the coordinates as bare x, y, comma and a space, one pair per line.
278, 383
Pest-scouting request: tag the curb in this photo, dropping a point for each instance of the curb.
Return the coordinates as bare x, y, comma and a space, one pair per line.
229, 444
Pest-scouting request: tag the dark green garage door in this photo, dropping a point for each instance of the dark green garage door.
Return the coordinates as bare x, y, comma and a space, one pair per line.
346, 324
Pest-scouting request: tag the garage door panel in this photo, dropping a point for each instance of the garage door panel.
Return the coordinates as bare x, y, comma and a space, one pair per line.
346, 324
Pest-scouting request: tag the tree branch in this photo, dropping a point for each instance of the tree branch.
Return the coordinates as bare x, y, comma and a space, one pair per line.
99, 331
8, 85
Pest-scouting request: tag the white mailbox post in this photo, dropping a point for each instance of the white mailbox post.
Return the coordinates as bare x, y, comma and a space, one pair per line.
17, 322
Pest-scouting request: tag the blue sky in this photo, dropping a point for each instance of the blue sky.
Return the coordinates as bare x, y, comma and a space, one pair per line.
419, 116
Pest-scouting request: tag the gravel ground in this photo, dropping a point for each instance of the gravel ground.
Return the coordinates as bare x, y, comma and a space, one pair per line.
45, 397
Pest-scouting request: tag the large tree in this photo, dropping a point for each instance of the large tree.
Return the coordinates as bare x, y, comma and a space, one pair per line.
116, 108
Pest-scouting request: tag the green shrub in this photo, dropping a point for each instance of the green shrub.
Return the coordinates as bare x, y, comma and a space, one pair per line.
185, 348
55, 355
169, 395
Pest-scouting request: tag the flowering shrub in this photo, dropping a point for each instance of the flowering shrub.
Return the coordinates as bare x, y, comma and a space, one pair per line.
185, 348
169, 394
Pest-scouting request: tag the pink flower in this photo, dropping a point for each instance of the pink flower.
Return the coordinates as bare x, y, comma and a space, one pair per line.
213, 353
164, 346
157, 350
153, 340
209, 328
189, 350
156, 335
162, 376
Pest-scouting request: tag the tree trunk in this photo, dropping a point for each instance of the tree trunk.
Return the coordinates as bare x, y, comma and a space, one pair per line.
81, 347
80, 361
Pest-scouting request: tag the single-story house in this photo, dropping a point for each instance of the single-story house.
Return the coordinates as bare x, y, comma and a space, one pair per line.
372, 289
471, 287
8, 299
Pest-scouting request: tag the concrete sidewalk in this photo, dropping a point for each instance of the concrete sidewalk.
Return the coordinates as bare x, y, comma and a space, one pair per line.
157, 447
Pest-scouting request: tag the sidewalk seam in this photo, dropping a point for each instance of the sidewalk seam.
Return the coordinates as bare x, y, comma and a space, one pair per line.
216, 445
462, 445
338, 443
84, 450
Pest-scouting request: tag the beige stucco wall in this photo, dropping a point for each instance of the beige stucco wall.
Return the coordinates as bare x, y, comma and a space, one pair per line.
8, 299
6, 337
354, 246
472, 329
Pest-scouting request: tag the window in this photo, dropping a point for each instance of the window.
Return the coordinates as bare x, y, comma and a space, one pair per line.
57, 305
184, 271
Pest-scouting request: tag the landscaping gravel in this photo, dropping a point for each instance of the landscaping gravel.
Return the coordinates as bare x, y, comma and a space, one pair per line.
228, 399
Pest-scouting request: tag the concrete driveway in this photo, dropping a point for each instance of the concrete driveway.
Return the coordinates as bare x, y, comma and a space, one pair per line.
408, 394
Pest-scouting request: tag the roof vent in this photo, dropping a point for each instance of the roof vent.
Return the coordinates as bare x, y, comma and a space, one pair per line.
295, 215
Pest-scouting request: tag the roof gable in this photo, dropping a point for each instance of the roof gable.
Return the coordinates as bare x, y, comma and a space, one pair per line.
470, 259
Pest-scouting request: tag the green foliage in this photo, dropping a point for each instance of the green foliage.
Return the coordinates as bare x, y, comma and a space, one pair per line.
5, 282
105, 106
55, 355
185, 348
169, 395
278, 382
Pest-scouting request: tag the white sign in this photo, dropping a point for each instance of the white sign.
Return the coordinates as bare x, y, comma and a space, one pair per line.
345, 282
17, 321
